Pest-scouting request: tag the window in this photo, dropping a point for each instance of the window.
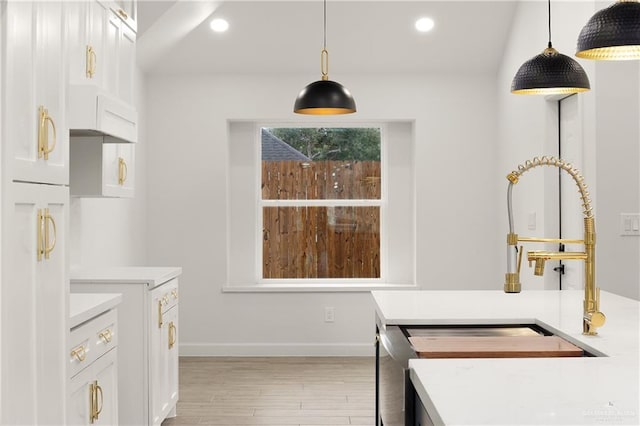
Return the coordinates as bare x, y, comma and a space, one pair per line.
321, 202
331, 218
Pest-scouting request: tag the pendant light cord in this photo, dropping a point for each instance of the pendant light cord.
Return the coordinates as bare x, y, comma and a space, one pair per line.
324, 55
549, 13
324, 43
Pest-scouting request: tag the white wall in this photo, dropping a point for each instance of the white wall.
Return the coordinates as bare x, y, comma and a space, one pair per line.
111, 232
457, 223
610, 129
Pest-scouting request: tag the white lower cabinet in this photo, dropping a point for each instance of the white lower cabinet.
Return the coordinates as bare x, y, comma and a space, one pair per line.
93, 397
93, 371
148, 338
164, 343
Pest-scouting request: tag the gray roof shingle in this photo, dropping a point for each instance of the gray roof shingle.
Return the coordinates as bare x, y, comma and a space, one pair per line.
275, 149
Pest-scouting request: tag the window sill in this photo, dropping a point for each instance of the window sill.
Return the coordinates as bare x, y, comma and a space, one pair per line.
314, 288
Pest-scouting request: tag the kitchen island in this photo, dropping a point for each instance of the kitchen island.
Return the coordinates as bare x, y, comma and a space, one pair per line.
602, 389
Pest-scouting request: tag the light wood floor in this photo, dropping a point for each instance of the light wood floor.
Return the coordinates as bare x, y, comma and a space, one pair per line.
276, 391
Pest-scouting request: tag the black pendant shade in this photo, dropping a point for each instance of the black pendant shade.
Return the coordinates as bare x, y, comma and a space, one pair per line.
324, 97
550, 73
612, 33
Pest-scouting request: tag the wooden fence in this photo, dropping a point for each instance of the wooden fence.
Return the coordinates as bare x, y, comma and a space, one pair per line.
321, 180
321, 241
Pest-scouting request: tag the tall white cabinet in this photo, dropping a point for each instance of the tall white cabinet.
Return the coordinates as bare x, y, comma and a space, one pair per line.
148, 337
35, 198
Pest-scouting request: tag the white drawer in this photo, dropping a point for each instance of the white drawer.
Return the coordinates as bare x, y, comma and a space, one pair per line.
170, 295
92, 339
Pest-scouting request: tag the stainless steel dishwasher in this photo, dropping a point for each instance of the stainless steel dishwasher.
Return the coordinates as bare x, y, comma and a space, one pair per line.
395, 396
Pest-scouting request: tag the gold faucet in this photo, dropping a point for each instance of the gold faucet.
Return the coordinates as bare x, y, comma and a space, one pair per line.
592, 318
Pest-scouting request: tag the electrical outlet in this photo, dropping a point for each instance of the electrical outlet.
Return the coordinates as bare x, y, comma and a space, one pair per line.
329, 314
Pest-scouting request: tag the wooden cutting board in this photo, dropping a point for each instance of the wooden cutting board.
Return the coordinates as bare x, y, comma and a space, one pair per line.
493, 347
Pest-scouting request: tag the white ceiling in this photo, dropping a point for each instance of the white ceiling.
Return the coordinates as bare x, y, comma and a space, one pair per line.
286, 36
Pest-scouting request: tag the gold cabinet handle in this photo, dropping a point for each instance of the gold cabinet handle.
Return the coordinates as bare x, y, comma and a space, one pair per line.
44, 246
40, 236
43, 133
48, 248
122, 13
91, 60
95, 407
172, 335
99, 391
106, 335
160, 313
122, 171
79, 353
92, 402
174, 294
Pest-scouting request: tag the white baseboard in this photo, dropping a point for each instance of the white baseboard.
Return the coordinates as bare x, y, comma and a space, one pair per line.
279, 349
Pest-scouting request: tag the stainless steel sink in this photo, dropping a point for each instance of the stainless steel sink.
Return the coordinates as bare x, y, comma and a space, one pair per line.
476, 331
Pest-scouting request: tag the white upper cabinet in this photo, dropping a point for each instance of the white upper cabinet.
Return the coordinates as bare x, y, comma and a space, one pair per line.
101, 169
87, 28
121, 55
36, 138
127, 10
102, 70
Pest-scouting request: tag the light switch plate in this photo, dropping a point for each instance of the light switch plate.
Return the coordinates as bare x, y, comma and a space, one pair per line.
630, 224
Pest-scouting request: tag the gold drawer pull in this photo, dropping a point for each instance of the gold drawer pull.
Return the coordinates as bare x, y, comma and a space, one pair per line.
160, 313
122, 13
174, 294
106, 335
79, 353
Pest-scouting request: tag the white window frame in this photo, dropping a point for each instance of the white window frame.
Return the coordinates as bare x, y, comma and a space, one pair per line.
381, 203
398, 241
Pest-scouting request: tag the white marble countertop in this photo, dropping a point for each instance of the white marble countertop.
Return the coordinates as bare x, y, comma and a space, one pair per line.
152, 276
84, 306
575, 391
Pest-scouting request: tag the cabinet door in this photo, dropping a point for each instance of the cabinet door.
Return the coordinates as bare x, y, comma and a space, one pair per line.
86, 22
171, 317
120, 55
93, 393
106, 374
36, 137
127, 10
126, 64
111, 52
78, 408
118, 170
34, 297
158, 353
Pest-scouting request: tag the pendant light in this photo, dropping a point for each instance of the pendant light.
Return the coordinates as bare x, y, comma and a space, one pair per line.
324, 97
550, 73
612, 33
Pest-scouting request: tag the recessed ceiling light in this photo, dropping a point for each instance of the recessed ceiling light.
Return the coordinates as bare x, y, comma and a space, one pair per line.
219, 25
424, 25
